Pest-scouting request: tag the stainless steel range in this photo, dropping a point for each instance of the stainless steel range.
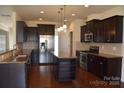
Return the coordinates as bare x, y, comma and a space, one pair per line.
84, 56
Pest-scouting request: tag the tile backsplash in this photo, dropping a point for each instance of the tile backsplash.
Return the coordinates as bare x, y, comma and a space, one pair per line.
107, 48
30, 45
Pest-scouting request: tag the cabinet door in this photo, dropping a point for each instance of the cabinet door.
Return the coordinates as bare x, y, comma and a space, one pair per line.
89, 27
46, 29
83, 30
31, 34
20, 31
35, 57
91, 64
113, 28
17, 75
98, 32
100, 65
96, 65
4, 77
109, 30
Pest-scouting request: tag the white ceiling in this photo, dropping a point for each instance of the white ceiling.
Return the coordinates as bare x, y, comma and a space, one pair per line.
32, 12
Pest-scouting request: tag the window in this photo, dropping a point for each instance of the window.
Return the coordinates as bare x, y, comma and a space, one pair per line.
3, 40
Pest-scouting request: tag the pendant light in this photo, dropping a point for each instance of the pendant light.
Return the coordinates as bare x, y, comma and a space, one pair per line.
58, 29
61, 27
64, 25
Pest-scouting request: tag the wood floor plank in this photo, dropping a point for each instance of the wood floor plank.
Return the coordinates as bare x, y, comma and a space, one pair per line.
41, 77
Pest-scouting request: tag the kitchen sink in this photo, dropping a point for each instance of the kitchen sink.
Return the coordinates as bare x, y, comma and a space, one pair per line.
21, 57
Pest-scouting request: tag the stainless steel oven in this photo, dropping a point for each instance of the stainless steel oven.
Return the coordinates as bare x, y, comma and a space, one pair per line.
83, 60
84, 56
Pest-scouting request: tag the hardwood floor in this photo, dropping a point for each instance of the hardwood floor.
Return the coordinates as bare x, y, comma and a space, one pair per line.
41, 76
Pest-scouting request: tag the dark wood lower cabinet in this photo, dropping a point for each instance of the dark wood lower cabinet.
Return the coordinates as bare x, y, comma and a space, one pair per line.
106, 68
14, 75
35, 56
65, 69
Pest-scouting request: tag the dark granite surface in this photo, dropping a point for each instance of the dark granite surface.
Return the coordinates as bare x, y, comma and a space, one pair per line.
21, 58
101, 54
61, 55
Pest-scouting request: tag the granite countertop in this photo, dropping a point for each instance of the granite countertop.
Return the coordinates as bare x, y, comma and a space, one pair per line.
23, 57
15, 60
61, 55
106, 55
102, 54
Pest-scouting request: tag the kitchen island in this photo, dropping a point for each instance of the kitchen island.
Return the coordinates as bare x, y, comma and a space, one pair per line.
14, 70
65, 69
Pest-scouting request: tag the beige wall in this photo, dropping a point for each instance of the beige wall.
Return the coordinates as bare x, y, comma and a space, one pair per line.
63, 41
12, 31
64, 37
75, 28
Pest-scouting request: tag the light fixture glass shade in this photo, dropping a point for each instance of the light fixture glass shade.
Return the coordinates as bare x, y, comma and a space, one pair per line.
61, 28
58, 29
64, 26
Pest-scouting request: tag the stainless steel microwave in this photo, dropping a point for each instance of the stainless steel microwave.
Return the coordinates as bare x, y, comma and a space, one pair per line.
88, 37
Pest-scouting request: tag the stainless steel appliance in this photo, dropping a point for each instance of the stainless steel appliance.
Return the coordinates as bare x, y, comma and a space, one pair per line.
83, 60
84, 56
88, 37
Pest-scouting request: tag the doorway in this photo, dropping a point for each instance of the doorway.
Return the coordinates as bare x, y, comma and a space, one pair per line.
71, 43
46, 45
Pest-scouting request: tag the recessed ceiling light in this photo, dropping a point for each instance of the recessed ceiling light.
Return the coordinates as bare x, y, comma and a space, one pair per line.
73, 14
41, 12
40, 19
86, 5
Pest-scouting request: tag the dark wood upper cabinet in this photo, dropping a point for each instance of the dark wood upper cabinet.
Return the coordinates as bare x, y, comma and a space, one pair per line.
31, 34
113, 29
44, 29
109, 30
90, 25
83, 31
20, 31
98, 33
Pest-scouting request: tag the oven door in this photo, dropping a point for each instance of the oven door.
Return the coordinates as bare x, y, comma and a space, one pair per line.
83, 60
